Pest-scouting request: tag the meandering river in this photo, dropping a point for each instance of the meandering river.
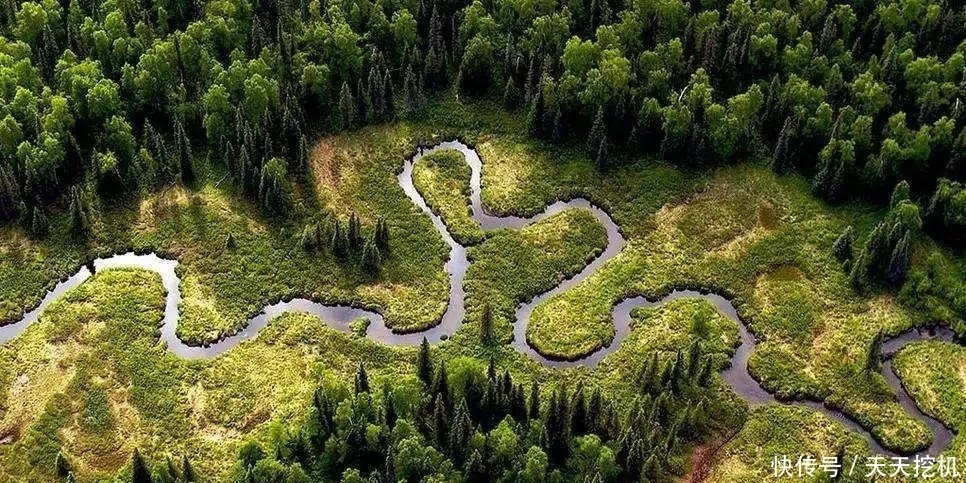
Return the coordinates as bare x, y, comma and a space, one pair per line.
339, 317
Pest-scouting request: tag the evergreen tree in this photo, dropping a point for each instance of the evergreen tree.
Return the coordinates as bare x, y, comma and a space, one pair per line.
183, 145
578, 412
441, 386
340, 242
440, 424
382, 236
781, 160
460, 432
476, 469
371, 259
842, 249
347, 108
424, 364
79, 224
62, 465
355, 232
187, 471
139, 471
389, 402
362, 380
536, 114
899, 261
557, 428
595, 411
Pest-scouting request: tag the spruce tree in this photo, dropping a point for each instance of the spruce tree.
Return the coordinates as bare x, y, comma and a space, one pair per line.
536, 114
139, 471
389, 403
183, 144
461, 430
340, 242
371, 259
781, 158
899, 261
187, 471
440, 424
534, 409
476, 470
842, 249
424, 364
62, 465
441, 386
578, 411
355, 232
78, 213
347, 108
382, 236
362, 380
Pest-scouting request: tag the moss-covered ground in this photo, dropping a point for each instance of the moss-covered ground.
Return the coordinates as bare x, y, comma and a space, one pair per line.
90, 379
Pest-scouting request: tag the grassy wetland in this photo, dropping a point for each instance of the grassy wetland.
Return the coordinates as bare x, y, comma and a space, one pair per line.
90, 381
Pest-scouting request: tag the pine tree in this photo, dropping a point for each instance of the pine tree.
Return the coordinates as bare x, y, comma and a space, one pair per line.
842, 249
557, 428
340, 242
781, 158
536, 114
371, 259
559, 134
78, 213
424, 364
187, 471
694, 359
382, 236
62, 465
362, 380
486, 324
441, 386
355, 232
183, 144
460, 432
476, 469
440, 424
595, 411
9, 195
139, 471
347, 108
389, 403
230, 242
899, 261
578, 411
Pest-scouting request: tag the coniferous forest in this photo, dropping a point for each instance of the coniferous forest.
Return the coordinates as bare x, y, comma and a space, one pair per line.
800, 164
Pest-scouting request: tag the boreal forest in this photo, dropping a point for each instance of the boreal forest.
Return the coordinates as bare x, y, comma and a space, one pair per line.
531, 241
